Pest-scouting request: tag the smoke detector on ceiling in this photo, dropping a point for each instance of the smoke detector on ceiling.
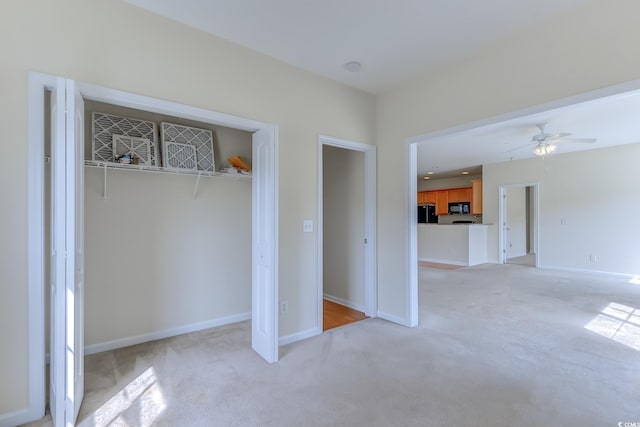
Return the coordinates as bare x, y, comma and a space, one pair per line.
353, 66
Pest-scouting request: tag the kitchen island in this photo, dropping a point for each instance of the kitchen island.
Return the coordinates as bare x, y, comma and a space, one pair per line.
456, 244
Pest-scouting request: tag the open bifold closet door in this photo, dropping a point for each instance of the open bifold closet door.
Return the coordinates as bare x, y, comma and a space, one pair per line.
264, 292
67, 253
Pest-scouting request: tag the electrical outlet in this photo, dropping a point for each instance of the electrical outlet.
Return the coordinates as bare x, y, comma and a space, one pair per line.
284, 307
307, 226
593, 259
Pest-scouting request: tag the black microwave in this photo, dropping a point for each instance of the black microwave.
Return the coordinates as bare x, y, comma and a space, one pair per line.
463, 208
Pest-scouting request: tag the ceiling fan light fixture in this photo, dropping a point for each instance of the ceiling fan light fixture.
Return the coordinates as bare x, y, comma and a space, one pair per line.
543, 149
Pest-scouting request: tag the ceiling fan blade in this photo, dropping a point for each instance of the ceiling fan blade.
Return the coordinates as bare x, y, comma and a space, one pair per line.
580, 140
557, 136
518, 148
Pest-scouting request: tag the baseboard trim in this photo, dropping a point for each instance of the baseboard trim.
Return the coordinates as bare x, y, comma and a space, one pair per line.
344, 302
21, 416
299, 336
444, 261
392, 318
585, 271
152, 336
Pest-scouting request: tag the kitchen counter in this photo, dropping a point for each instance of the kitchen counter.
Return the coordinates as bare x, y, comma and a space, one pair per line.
457, 244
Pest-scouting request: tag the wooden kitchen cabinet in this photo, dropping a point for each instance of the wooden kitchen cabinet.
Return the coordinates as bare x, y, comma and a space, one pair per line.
476, 197
426, 197
442, 198
430, 197
421, 197
442, 202
460, 195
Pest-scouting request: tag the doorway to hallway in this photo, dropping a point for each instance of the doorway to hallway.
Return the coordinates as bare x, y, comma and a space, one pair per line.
346, 232
334, 315
519, 224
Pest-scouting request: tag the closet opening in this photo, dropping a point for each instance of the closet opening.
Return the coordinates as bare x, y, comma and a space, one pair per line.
165, 253
173, 245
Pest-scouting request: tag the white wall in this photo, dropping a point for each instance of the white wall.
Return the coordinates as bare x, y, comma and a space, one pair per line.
595, 191
166, 60
477, 245
156, 259
589, 48
343, 225
516, 222
447, 244
452, 244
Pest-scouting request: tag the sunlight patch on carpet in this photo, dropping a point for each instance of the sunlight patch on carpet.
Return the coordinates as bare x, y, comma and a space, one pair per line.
618, 322
139, 403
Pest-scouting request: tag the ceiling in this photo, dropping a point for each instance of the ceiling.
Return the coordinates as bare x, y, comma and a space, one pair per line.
397, 40
393, 40
612, 120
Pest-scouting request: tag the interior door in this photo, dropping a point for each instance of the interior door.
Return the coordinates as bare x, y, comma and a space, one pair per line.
67, 254
58, 267
75, 252
264, 295
516, 219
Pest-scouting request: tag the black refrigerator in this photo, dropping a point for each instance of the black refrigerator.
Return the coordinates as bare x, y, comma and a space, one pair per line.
427, 214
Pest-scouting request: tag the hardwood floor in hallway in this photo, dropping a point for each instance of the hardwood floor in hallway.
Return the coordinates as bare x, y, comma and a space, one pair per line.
334, 315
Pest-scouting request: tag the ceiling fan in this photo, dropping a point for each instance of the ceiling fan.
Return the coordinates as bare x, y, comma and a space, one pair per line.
545, 143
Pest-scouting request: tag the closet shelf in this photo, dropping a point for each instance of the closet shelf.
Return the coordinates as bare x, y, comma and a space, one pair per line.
158, 169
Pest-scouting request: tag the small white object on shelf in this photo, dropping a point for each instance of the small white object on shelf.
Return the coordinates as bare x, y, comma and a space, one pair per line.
230, 171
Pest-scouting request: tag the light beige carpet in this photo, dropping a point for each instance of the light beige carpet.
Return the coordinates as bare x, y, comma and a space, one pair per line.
496, 346
528, 259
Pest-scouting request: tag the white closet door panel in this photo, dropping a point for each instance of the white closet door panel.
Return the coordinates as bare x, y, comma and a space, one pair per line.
58, 254
264, 319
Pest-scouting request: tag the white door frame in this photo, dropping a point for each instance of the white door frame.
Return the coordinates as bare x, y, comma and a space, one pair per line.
370, 275
502, 217
411, 159
37, 84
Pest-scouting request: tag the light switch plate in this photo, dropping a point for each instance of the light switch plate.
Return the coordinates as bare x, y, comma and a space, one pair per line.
307, 226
